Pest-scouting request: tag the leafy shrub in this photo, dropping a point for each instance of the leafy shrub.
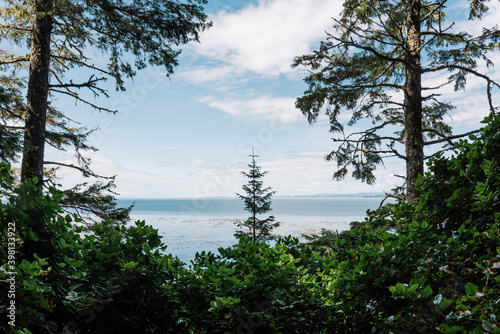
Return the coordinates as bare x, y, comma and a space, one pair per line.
431, 267
250, 288
68, 280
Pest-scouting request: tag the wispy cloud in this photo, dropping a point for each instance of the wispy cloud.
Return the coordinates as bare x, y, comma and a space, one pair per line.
262, 39
297, 173
281, 109
308, 173
208, 74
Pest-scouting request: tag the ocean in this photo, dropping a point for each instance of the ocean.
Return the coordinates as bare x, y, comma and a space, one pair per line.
205, 224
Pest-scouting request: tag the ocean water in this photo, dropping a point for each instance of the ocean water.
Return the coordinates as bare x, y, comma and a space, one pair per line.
194, 225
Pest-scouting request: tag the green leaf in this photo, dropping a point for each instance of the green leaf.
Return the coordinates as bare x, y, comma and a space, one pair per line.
130, 265
471, 288
426, 292
413, 288
77, 264
401, 288
444, 304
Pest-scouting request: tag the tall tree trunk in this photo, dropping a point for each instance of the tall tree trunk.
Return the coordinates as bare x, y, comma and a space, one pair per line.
413, 103
38, 90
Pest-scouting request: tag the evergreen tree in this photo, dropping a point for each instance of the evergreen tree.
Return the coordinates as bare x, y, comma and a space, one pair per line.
49, 38
375, 66
257, 201
10, 134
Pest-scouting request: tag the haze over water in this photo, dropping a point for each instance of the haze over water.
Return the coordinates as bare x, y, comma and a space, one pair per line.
194, 225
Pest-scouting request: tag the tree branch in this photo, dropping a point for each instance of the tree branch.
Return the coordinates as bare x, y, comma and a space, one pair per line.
25, 58
446, 138
90, 84
468, 70
85, 172
77, 97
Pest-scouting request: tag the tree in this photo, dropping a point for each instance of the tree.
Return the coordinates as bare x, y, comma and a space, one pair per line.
56, 35
10, 134
257, 201
379, 58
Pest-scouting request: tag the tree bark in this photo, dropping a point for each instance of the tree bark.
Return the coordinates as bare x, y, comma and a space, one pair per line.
413, 103
38, 90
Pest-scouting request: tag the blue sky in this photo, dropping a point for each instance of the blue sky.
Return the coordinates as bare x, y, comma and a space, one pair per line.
190, 135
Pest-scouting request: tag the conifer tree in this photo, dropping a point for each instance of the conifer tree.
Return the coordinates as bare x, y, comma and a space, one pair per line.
257, 201
376, 66
51, 38
11, 103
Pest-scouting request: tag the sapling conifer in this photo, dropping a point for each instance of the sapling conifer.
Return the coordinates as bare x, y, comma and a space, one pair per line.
257, 201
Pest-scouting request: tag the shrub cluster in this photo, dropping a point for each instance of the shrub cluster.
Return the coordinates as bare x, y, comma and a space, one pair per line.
425, 267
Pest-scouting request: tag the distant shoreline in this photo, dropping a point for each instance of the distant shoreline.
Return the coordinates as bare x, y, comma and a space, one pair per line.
351, 196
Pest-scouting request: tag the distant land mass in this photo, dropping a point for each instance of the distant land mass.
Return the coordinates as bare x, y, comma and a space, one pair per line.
357, 195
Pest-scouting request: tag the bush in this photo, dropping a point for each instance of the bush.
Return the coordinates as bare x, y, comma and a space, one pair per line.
67, 279
251, 288
429, 267
425, 268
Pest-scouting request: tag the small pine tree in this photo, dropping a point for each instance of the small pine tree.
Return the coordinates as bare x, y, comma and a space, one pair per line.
257, 201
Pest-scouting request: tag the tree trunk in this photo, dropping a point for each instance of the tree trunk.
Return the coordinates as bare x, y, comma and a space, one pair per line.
254, 212
413, 103
38, 90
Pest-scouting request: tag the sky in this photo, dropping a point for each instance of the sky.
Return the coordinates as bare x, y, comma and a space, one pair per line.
190, 135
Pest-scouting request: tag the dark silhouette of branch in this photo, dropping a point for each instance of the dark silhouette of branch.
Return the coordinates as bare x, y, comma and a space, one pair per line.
85, 171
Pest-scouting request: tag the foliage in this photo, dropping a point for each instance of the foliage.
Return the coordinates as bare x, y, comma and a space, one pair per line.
376, 64
467, 184
425, 268
67, 279
250, 288
10, 135
257, 201
404, 269
129, 35
118, 279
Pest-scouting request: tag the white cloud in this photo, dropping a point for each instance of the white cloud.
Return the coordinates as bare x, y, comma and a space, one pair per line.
263, 39
475, 27
207, 74
135, 183
471, 104
299, 173
307, 173
281, 109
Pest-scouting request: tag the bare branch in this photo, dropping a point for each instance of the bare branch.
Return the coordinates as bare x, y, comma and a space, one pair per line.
446, 138
11, 27
489, 81
81, 63
396, 153
90, 84
400, 197
77, 97
21, 59
86, 172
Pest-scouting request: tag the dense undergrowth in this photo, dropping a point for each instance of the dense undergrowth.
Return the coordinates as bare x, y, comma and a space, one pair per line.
425, 268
